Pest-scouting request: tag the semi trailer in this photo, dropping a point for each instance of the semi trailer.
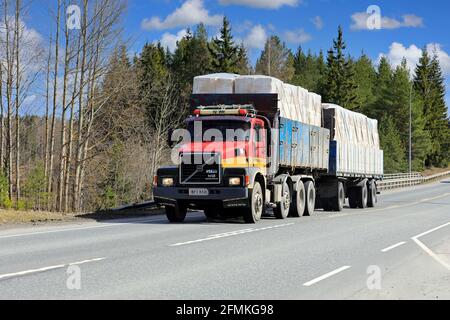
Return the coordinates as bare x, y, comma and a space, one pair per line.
250, 153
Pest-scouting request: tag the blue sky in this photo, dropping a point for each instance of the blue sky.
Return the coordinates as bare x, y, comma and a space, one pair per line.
407, 26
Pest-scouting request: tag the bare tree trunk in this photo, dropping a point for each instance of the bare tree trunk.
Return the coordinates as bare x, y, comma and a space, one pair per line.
55, 94
2, 136
79, 150
47, 104
63, 158
8, 99
70, 134
18, 80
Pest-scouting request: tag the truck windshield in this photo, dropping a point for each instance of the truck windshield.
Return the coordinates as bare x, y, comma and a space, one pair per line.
219, 130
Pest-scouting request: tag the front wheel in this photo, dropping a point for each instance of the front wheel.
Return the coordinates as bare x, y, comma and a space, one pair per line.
176, 214
254, 213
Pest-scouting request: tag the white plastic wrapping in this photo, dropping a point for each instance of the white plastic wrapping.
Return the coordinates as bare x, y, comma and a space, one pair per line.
220, 83
354, 128
295, 103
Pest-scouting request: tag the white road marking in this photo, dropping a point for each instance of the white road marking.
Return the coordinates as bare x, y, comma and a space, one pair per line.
325, 276
60, 266
410, 203
106, 225
428, 250
393, 246
229, 234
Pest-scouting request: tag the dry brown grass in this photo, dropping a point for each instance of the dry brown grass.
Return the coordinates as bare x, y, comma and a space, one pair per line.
19, 217
432, 171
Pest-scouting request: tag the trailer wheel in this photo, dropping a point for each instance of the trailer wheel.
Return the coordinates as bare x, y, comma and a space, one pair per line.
337, 202
362, 196
310, 198
283, 207
254, 213
372, 196
352, 198
299, 202
176, 214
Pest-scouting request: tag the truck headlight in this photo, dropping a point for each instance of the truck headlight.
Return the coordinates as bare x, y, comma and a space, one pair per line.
167, 182
232, 182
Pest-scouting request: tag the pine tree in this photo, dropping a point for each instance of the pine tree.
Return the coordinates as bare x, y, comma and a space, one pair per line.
223, 50
429, 85
309, 70
365, 76
242, 64
394, 154
398, 101
381, 90
340, 86
276, 60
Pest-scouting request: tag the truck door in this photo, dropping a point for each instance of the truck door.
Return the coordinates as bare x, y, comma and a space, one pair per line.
260, 145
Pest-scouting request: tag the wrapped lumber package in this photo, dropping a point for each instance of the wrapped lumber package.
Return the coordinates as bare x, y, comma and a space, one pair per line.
295, 103
215, 83
354, 128
355, 148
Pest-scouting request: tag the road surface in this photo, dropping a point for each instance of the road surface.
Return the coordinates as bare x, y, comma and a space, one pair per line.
399, 250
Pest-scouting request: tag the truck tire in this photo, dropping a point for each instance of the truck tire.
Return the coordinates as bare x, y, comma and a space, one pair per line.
310, 191
352, 198
362, 196
299, 201
254, 213
283, 207
372, 194
212, 213
176, 214
337, 202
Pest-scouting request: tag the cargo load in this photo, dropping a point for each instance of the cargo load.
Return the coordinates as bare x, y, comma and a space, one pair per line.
353, 128
219, 83
355, 143
295, 103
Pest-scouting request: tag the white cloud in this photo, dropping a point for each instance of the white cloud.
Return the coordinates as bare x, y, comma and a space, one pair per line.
412, 54
169, 40
296, 36
264, 4
190, 13
256, 38
408, 21
318, 22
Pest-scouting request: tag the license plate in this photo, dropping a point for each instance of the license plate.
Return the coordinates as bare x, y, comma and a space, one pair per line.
198, 192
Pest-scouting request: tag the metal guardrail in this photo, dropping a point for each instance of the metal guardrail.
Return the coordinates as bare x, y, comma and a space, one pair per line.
401, 180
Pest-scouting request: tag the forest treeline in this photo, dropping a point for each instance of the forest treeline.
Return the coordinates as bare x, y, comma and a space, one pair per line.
104, 115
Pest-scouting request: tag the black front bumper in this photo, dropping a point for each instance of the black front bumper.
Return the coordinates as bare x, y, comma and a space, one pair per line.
228, 197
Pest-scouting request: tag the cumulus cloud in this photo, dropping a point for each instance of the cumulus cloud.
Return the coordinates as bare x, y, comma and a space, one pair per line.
398, 51
318, 22
169, 40
298, 36
264, 4
190, 13
256, 38
359, 22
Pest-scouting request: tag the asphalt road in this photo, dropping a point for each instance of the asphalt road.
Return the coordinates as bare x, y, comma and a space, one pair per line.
399, 250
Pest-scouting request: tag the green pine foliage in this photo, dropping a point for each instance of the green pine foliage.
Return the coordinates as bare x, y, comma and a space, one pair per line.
223, 50
394, 155
276, 60
340, 85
